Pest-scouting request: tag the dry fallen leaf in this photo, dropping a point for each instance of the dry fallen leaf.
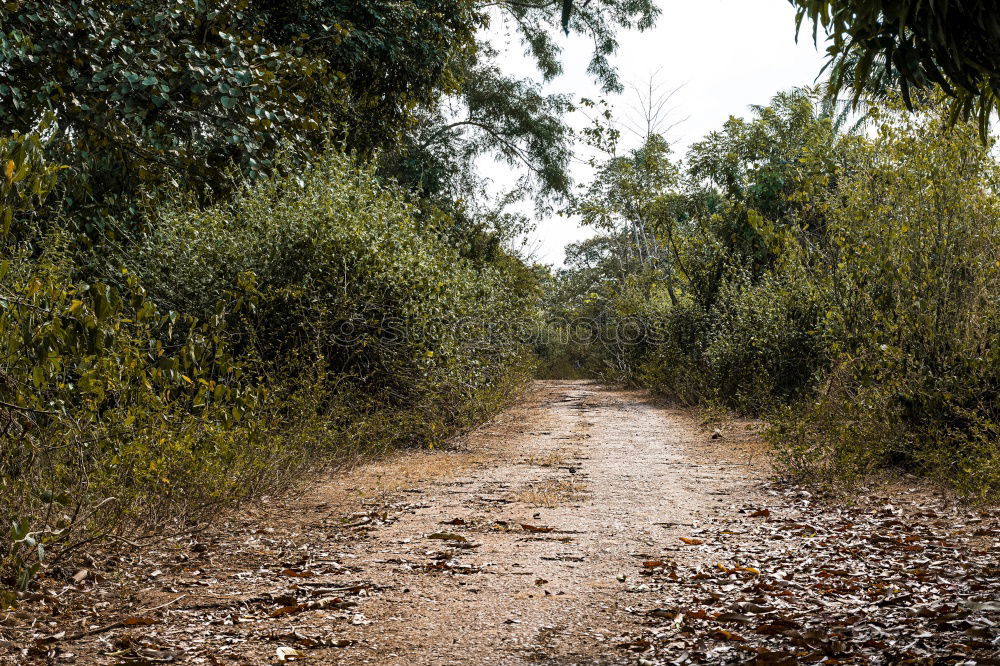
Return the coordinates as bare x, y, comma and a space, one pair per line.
533, 528
445, 536
723, 635
286, 610
289, 654
294, 573
692, 542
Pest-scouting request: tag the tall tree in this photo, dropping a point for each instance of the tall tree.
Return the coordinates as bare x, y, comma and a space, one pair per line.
145, 93
510, 118
954, 44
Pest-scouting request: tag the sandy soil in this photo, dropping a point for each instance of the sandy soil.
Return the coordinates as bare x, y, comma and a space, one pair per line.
520, 545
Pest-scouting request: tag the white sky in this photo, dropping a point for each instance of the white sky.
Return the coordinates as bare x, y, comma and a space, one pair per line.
727, 54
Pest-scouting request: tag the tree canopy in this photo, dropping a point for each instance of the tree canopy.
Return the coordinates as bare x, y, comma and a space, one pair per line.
954, 44
145, 93
951, 43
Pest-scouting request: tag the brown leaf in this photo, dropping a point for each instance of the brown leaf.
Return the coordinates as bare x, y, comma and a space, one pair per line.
776, 628
287, 610
533, 528
445, 536
295, 573
767, 658
699, 614
761, 513
692, 542
723, 635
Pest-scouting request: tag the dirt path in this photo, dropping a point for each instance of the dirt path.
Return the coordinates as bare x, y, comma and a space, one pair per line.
584, 526
520, 547
594, 482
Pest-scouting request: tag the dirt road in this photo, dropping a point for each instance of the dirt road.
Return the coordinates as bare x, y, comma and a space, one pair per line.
591, 483
521, 545
584, 526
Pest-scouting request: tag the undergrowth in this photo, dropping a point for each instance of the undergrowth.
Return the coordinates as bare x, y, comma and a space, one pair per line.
840, 285
312, 320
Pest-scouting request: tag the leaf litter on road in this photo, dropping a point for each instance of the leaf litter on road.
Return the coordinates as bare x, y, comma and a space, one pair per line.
875, 582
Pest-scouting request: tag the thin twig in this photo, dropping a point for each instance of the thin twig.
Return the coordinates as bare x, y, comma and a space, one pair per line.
25, 409
97, 630
146, 610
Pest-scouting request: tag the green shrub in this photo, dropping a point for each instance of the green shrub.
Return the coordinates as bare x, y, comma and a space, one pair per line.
311, 321
106, 401
909, 280
343, 268
764, 348
675, 365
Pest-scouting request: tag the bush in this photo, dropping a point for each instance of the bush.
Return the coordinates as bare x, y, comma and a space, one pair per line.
344, 268
86, 373
910, 278
310, 321
763, 348
755, 347
843, 286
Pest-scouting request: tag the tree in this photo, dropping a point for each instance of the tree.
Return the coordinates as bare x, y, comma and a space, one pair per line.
761, 163
954, 44
511, 119
627, 193
600, 20
504, 117
147, 94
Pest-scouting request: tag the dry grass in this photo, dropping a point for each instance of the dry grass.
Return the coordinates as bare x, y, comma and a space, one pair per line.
393, 475
551, 493
378, 480
553, 458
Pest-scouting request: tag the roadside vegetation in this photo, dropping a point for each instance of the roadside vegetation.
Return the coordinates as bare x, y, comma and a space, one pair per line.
829, 262
837, 278
243, 241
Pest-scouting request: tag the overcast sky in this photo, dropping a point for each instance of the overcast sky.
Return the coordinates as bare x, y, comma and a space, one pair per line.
724, 54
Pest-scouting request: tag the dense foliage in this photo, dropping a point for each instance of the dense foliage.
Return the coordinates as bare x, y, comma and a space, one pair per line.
150, 94
196, 94
309, 319
841, 284
241, 238
951, 44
